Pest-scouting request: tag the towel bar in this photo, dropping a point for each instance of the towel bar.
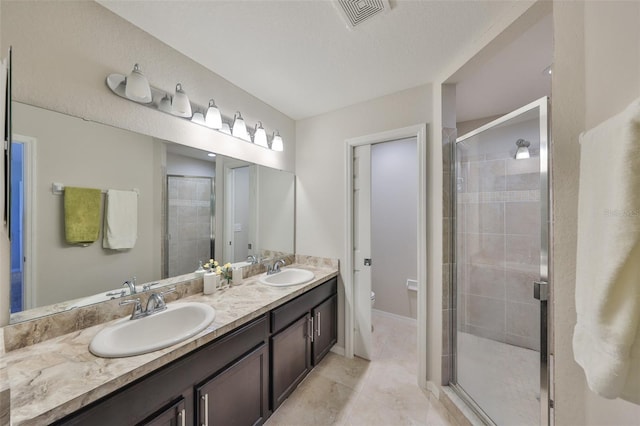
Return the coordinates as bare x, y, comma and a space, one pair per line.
58, 189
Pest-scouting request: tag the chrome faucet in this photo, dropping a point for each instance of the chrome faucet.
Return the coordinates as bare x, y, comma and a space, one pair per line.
156, 302
275, 268
252, 259
131, 285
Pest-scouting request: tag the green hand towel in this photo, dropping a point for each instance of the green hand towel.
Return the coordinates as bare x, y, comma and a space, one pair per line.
81, 215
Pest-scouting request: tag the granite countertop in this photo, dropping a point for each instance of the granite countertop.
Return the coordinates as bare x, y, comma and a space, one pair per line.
52, 379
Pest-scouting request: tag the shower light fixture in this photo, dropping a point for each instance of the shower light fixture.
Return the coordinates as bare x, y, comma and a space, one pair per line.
260, 136
277, 143
523, 149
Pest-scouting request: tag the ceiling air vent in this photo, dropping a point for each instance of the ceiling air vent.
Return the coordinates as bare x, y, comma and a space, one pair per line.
355, 12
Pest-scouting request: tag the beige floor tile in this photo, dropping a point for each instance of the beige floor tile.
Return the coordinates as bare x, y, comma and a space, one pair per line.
348, 372
356, 392
316, 401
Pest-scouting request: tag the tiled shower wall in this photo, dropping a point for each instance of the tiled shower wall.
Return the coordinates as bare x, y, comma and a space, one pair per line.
498, 247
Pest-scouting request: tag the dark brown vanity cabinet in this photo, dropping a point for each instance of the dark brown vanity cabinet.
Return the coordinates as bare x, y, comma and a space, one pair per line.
236, 379
238, 395
169, 396
303, 332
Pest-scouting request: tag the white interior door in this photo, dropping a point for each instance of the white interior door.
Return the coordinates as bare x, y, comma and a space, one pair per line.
362, 250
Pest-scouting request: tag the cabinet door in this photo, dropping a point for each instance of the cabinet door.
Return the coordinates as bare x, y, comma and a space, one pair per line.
325, 333
290, 359
238, 394
174, 415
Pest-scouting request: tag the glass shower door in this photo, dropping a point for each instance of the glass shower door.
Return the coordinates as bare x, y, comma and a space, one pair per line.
501, 248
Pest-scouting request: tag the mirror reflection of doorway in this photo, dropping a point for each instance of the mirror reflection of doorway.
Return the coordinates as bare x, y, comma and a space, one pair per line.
190, 219
16, 231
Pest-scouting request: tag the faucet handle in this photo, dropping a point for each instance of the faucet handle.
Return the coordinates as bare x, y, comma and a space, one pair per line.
147, 287
169, 290
120, 293
137, 307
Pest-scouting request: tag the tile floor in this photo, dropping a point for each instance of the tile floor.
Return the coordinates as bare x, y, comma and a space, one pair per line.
354, 392
503, 379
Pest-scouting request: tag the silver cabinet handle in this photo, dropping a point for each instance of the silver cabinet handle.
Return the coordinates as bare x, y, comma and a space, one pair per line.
205, 398
318, 321
312, 328
181, 417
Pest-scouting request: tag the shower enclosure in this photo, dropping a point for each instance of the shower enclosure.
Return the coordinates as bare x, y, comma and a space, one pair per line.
500, 272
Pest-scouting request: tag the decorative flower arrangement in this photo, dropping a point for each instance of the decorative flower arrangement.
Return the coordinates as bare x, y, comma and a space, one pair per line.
225, 272
211, 266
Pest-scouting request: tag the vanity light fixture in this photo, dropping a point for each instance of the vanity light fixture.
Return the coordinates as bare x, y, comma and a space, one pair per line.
213, 118
198, 117
260, 136
276, 143
225, 128
239, 128
181, 105
137, 87
165, 103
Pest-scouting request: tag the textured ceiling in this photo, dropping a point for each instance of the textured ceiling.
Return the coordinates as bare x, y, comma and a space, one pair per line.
300, 57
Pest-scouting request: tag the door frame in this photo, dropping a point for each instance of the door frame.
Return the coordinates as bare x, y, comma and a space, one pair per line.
546, 200
418, 131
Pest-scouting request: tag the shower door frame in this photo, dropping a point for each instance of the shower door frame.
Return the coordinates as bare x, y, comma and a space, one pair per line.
546, 394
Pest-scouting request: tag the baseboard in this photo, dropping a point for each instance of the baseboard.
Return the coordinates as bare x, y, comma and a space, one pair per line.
395, 316
338, 350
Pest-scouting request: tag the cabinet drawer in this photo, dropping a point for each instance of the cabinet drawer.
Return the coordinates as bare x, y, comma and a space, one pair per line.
291, 311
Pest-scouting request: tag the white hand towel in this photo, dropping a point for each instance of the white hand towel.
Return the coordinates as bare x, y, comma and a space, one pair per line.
606, 340
120, 220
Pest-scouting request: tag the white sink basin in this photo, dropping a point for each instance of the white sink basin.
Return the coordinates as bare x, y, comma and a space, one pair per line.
127, 337
287, 277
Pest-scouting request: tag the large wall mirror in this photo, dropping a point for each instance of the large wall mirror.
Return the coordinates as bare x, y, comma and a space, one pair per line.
192, 205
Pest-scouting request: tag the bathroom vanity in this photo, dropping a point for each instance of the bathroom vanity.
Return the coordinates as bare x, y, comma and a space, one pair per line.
261, 345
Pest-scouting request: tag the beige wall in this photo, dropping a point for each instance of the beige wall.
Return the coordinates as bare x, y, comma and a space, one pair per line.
63, 52
75, 152
596, 74
320, 168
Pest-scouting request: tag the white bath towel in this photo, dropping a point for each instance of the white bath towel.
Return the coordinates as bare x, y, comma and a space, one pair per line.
120, 220
606, 340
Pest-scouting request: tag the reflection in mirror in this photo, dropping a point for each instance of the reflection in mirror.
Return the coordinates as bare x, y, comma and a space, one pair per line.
178, 216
